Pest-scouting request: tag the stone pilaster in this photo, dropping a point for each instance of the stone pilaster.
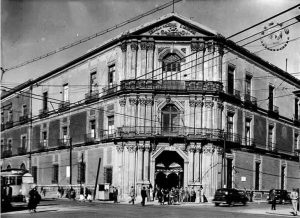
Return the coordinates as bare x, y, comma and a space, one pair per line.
133, 101
148, 115
146, 161
143, 58
124, 60
150, 58
140, 163
134, 48
203, 63
122, 103
191, 150
142, 117
192, 104
131, 147
197, 163
209, 107
198, 114
220, 61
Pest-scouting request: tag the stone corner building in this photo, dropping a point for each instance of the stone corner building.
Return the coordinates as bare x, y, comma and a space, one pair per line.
158, 104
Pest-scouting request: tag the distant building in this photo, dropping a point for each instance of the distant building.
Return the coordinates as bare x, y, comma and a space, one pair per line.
158, 104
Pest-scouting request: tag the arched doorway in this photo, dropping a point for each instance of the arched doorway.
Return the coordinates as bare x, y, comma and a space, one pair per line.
169, 170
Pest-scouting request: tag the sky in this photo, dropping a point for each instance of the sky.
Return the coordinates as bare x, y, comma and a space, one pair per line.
31, 28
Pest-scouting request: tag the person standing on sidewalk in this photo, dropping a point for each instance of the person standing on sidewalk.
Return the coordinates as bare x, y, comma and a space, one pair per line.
132, 195
294, 198
273, 199
144, 195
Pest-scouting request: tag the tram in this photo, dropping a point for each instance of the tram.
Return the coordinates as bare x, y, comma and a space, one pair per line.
20, 182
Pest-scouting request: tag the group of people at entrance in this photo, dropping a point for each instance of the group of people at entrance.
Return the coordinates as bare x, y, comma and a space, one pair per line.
175, 195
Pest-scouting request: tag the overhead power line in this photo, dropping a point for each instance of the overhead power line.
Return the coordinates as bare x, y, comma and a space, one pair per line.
114, 27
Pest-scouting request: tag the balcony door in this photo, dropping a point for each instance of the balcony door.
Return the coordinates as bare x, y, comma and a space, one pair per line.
170, 119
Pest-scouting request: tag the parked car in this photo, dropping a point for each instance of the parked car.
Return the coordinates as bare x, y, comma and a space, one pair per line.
281, 196
230, 196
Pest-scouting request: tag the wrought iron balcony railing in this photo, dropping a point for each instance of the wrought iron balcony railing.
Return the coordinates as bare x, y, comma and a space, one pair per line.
110, 89
171, 85
64, 106
92, 96
6, 153
233, 92
250, 99
24, 119
22, 150
9, 124
43, 113
63, 142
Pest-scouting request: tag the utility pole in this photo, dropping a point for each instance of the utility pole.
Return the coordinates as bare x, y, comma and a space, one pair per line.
30, 135
71, 162
96, 181
81, 165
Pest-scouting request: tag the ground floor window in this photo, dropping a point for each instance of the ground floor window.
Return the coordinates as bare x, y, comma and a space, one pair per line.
108, 172
34, 173
55, 174
257, 175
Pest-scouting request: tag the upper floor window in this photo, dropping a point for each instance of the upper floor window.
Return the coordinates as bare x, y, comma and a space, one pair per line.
248, 85
270, 136
24, 110
64, 134
10, 115
296, 135
248, 130
111, 74
66, 92
230, 116
44, 138
296, 109
271, 97
93, 81
93, 128
45, 101
111, 124
9, 144
23, 142
171, 66
230, 80
170, 118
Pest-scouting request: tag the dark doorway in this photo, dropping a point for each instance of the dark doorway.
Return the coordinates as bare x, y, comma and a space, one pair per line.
169, 170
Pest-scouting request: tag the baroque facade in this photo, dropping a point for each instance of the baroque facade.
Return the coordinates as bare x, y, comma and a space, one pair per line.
171, 103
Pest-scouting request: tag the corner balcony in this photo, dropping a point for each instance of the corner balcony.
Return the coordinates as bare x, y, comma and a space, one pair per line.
92, 96
250, 101
163, 134
22, 151
170, 86
110, 89
24, 119
9, 124
6, 154
64, 106
43, 113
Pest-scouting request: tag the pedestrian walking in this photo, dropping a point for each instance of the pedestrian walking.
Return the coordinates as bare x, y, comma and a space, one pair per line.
193, 195
132, 195
116, 195
294, 198
251, 195
34, 199
160, 195
72, 194
272, 198
144, 195
81, 194
62, 191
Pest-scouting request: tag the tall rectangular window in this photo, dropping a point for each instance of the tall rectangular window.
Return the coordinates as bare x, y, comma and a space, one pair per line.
55, 174
45, 101
10, 115
296, 141
296, 109
65, 134
248, 85
248, 131
93, 81
230, 126
92, 128
34, 174
24, 110
229, 173
23, 142
271, 98
230, 80
44, 138
111, 74
270, 137
81, 172
66, 92
111, 124
108, 175
9, 145
257, 175
282, 184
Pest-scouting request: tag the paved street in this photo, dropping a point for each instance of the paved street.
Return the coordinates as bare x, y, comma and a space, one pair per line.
66, 208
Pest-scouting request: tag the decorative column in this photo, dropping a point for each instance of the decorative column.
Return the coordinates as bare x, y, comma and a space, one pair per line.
196, 162
131, 147
133, 105
209, 106
220, 61
191, 150
148, 116
146, 161
203, 64
218, 119
150, 58
198, 114
122, 103
120, 169
124, 59
194, 49
141, 116
192, 104
140, 162
134, 48
143, 58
